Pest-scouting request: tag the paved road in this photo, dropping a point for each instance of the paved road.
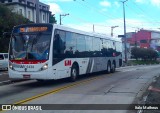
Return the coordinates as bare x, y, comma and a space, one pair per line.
3, 75
123, 87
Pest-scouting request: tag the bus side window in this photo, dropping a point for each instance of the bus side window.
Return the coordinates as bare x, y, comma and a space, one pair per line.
96, 47
81, 46
89, 44
59, 44
70, 45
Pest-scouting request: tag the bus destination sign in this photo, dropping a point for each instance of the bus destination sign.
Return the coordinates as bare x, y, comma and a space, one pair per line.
33, 29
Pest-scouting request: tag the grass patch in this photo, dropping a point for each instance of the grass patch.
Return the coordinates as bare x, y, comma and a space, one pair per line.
142, 62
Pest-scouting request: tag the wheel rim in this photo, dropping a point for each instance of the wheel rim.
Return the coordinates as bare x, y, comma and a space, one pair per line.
113, 67
109, 69
74, 73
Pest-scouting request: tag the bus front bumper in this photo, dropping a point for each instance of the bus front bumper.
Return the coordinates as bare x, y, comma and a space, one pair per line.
30, 75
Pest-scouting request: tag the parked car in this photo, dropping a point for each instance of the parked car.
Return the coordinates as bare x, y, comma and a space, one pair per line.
3, 61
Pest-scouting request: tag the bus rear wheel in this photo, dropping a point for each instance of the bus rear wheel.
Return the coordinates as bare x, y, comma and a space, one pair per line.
74, 73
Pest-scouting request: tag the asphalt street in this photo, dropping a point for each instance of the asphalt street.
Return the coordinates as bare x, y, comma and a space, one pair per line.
125, 86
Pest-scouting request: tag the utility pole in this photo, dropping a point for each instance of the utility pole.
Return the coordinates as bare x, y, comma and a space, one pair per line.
135, 38
93, 28
125, 40
112, 27
60, 17
37, 11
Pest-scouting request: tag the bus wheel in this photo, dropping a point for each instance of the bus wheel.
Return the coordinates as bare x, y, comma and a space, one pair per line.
113, 68
108, 67
74, 73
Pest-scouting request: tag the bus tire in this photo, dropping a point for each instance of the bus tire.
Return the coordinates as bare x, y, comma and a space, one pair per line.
74, 73
108, 67
113, 69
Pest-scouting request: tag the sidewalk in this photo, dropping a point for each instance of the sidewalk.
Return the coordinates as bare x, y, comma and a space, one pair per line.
152, 96
4, 76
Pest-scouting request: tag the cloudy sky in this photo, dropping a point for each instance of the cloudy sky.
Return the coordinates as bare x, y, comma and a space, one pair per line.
106, 13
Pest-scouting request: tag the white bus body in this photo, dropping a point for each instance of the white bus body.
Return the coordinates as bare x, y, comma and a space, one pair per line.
69, 53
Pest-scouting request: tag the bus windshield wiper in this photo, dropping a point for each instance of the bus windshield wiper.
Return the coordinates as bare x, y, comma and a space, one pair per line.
35, 40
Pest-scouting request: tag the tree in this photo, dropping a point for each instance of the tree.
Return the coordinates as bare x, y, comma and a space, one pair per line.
8, 20
143, 53
52, 18
135, 53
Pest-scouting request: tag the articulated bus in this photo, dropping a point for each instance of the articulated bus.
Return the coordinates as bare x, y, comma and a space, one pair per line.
50, 51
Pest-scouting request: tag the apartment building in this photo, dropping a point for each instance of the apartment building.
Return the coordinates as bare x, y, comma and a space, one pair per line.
29, 9
143, 39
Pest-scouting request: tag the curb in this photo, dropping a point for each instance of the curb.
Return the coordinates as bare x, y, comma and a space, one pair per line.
11, 81
5, 82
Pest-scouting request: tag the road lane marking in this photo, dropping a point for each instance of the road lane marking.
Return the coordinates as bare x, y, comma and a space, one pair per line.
56, 90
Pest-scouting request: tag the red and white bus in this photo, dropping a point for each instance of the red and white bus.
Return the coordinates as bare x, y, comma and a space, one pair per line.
50, 51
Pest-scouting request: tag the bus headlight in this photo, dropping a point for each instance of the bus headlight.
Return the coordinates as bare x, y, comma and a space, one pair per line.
11, 66
44, 67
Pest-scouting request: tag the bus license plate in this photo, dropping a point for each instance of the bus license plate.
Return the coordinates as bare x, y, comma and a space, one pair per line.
27, 76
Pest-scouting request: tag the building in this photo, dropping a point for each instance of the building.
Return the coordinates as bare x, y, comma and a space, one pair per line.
28, 9
144, 39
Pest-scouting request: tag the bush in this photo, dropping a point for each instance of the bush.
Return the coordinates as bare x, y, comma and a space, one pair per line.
8, 20
144, 54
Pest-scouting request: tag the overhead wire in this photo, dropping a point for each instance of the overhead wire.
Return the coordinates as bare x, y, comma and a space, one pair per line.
148, 20
97, 11
143, 11
91, 7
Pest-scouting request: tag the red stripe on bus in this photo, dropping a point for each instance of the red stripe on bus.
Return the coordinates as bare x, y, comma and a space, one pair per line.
28, 61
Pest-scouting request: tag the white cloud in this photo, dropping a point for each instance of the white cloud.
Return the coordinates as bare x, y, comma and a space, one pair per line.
53, 1
156, 2
103, 10
105, 27
62, 0
117, 4
105, 3
55, 8
140, 1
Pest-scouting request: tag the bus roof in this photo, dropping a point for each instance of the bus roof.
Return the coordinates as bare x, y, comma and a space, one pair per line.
62, 27
56, 26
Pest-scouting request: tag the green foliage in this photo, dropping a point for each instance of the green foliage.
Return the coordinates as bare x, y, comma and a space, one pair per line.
142, 62
8, 20
144, 54
52, 19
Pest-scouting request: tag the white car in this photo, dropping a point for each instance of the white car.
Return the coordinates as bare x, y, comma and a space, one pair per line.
3, 61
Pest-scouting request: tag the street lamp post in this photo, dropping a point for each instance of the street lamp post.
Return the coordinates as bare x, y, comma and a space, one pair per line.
112, 27
125, 40
60, 16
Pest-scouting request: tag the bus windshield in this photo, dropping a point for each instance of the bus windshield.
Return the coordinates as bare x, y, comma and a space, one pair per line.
30, 46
